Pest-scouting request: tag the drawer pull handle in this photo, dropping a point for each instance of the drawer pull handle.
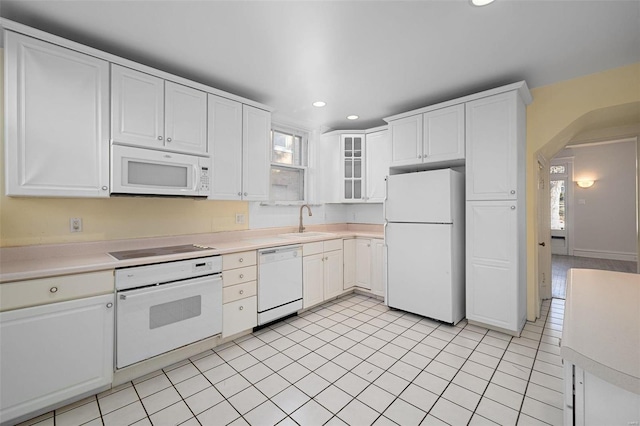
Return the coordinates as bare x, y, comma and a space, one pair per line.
241, 307
109, 305
241, 260
241, 275
53, 289
241, 291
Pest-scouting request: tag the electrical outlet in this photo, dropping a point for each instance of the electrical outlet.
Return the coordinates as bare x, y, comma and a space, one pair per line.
239, 218
75, 224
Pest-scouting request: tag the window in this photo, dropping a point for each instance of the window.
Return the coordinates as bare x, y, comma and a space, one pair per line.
558, 187
288, 164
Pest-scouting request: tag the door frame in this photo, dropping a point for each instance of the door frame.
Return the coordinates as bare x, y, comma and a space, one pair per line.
568, 202
543, 233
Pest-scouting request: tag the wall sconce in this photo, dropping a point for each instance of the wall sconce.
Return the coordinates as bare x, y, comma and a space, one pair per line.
585, 183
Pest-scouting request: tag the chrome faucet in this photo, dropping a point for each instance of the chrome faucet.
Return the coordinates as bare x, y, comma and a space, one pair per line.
301, 228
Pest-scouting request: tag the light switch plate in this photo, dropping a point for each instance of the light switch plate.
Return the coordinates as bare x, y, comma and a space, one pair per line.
239, 218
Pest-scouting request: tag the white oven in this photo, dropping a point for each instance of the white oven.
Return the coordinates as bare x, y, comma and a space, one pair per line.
164, 306
147, 171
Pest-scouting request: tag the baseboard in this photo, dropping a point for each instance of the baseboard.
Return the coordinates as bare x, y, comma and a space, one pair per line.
611, 255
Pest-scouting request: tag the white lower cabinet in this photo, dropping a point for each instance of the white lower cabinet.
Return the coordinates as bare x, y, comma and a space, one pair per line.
364, 265
322, 272
378, 276
349, 268
53, 353
239, 316
239, 292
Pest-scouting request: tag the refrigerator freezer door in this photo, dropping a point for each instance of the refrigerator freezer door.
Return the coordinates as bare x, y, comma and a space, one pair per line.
424, 196
419, 262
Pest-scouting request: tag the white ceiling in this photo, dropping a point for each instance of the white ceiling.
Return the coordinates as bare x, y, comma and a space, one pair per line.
370, 58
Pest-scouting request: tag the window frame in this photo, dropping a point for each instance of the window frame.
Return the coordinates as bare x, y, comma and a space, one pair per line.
304, 159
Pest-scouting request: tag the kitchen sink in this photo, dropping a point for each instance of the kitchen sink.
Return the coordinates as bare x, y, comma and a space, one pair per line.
307, 235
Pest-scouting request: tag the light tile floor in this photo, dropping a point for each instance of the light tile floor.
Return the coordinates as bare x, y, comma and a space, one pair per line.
349, 361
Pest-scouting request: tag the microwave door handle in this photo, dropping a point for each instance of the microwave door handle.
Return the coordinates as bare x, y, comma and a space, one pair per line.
196, 181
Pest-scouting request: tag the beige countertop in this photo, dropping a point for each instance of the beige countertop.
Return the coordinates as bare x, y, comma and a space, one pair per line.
601, 331
29, 262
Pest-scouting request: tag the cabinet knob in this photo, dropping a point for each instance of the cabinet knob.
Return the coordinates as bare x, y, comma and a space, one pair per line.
53, 289
419, 156
513, 191
239, 194
245, 194
241, 307
368, 245
241, 291
159, 138
241, 275
168, 139
104, 188
513, 207
109, 305
241, 260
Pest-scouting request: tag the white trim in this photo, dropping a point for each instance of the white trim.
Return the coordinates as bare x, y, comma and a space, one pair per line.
603, 142
611, 255
9, 25
356, 132
521, 87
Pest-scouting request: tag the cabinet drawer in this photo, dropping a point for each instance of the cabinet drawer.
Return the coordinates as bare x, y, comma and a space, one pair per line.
240, 315
312, 248
333, 245
239, 275
238, 260
41, 291
239, 291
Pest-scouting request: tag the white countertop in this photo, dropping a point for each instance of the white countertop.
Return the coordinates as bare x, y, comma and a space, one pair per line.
601, 332
24, 263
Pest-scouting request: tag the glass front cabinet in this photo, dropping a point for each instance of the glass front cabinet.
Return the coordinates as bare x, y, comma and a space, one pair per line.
353, 167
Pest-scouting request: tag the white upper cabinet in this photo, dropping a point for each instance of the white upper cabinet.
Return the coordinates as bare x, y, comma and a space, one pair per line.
377, 165
327, 173
185, 118
433, 137
225, 143
256, 150
57, 115
492, 147
151, 112
353, 167
406, 140
443, 134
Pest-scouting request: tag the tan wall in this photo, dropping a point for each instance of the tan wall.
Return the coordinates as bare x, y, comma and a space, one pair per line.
558, 113
25, 221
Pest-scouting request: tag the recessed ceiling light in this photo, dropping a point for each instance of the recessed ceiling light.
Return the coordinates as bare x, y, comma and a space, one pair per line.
352, 117
319, 104
481, 2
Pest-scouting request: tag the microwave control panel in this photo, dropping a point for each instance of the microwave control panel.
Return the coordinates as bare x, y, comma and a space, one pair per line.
204, 179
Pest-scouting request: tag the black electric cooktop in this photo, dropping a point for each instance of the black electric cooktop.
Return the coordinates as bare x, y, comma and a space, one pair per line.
157, 251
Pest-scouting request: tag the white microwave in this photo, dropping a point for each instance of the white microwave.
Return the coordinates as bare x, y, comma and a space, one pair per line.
150, 172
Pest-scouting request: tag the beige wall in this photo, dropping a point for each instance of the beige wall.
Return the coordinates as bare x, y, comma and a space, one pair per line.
26, 221
558, 113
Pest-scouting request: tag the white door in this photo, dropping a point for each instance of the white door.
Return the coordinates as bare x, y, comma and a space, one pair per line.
420, 197
419, 269
491, 254
377, 156
491, 151
256, 150
185, 119
406, 140
333, 274
54, 352
349, 252
312, 280
363, 263
378, 277
225, 144
137, 108
57, 120
543, 234
560, 175
444, 134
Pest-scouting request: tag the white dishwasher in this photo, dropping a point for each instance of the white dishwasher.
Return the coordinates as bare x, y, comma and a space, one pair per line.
279, 282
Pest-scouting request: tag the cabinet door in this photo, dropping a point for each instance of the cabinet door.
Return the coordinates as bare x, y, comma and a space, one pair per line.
137, 108
327, 172
492, 275
492, 148
363, 263
444, 134
349, 252
378, 152
256, 150
378, 278
54, 352
353, 151
406, 141
225, 144
312, 280
239, 316
57, 121
333, 274
185, 118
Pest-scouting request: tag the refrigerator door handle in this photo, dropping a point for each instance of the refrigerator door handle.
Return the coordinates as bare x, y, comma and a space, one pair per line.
386, 194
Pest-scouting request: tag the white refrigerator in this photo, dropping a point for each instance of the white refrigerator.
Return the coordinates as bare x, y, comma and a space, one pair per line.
424, 234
